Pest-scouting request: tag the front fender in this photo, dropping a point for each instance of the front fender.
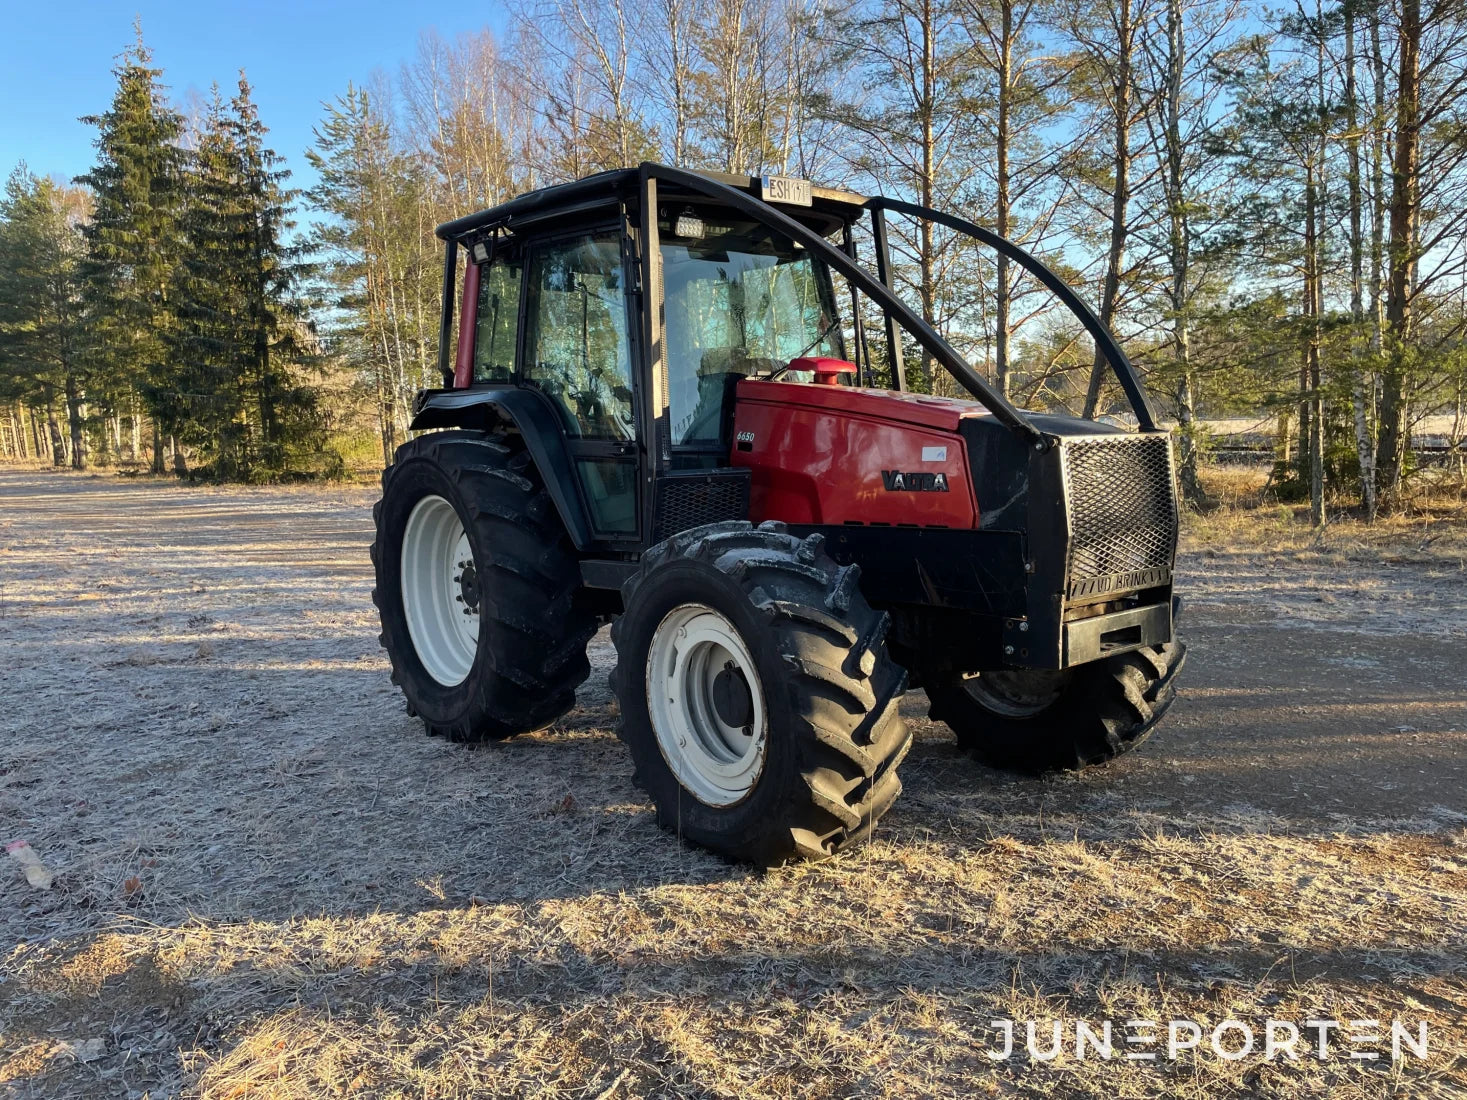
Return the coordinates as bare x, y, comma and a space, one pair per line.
528, 413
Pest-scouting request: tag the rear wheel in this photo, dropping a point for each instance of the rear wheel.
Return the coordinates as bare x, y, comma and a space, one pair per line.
757, 696
1035, 720
477, 588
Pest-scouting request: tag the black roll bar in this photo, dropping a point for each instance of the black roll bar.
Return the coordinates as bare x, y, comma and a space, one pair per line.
1125, 373
888, 277
926, 335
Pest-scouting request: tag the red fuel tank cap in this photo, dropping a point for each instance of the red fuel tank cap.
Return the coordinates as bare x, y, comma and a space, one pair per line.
827, 371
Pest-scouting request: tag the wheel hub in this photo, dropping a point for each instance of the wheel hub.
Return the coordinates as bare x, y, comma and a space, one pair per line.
733, 702
706, 704
1016, 693
468, 586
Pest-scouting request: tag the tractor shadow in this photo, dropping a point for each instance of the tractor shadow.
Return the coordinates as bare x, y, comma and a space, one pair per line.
311, 868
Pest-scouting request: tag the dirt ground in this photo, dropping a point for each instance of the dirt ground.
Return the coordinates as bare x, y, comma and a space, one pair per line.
270, 882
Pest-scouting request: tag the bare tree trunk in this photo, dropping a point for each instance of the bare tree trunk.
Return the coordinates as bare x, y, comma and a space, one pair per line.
673, 13
58, 442
1180, 256
1120, 199
157, 466
12, 441
1314, 200
926, 241
18, 429
1404, 212
1310, 375
1377, 189
104, 438
1003, 292
75, 415
36, 431
1364, 443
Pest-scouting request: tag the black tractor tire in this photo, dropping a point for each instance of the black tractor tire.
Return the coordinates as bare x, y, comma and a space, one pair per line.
834, 736
1098, 711
531, 651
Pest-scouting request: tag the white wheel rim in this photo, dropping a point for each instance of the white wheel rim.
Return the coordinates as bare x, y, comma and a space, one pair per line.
715, 761
442, 610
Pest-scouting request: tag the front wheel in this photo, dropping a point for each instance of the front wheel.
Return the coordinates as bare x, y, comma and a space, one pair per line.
1035, 720
477, 587
757, 696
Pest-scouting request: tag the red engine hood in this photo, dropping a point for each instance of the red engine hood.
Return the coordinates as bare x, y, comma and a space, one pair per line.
840, 455
941, 413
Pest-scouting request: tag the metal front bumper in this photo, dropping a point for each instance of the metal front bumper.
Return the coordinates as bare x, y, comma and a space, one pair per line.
1100, 636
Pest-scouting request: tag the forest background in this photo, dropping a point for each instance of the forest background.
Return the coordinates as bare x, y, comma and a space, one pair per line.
1266, 206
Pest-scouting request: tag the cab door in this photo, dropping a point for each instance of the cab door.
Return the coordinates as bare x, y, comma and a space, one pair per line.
577, 350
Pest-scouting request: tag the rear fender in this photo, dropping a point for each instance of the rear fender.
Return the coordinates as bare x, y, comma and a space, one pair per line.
527, 413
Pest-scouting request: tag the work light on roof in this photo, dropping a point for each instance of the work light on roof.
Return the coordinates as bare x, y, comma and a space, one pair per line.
688, 225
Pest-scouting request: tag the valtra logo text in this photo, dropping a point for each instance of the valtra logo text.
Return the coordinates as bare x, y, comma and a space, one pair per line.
913, 481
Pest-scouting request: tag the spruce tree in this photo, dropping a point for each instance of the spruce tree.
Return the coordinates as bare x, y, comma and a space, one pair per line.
132, 241
236, 352
206, 362
284, 409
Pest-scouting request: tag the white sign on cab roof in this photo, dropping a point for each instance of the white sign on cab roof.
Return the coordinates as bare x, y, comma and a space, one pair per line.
784, 189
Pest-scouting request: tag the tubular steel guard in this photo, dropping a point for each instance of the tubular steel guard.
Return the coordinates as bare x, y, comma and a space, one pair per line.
869, 285
1125, 373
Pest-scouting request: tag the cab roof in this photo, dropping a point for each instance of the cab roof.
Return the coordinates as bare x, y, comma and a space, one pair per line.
603, 188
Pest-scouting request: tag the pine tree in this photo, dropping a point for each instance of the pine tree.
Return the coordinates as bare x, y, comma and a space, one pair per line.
384, 268
132, 241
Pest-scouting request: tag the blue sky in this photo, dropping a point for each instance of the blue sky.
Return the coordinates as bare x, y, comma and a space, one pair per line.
56, 62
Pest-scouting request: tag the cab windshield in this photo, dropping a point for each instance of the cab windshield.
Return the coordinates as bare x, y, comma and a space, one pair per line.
740, 300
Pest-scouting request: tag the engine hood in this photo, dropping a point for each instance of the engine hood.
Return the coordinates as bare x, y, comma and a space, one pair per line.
944, 414
941, 413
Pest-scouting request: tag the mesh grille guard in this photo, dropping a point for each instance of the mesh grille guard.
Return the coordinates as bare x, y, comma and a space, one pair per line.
1121, 502
691, 498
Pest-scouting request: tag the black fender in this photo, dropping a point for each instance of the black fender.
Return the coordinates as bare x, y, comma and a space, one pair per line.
529, 413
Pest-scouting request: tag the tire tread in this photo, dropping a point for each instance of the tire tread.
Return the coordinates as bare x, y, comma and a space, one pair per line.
843, 687
537, 632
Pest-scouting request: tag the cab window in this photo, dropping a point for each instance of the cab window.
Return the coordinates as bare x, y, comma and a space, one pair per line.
498, 324
740, 301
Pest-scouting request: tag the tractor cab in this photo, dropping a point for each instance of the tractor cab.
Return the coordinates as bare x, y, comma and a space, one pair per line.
634, 312
663, 406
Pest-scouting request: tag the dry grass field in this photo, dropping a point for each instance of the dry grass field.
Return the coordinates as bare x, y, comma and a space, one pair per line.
270, 883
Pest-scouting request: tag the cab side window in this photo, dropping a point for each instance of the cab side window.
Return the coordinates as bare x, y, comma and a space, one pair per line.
576, 346
498, 324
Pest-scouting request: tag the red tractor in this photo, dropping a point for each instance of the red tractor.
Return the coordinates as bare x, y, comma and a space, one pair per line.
658, 416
